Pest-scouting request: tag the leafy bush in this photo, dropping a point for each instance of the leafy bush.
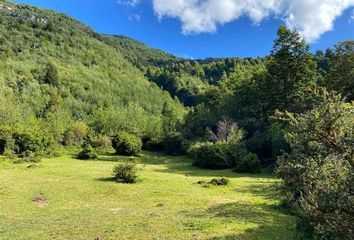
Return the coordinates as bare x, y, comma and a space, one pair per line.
6, 139
175, 144
318, 172
212, 155
219, 181
21, 140
76, 134
126, 144
87, 153
215, 182
101, 143
27, 157
126, 172
248, 163
152, 145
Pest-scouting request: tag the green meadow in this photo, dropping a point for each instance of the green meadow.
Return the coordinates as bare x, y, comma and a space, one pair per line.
66, 198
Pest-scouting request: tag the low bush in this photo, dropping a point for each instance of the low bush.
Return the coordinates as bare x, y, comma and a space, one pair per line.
87, 153
126, 172
212, 155
248, 163
215, 182
175, 144
219, 181
127, 144
20, 140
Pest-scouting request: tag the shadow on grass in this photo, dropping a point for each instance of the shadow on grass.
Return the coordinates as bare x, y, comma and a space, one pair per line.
270, 223
107, 179
188, 169
263, 233
149, 158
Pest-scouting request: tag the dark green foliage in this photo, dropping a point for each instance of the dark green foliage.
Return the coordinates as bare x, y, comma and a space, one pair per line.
87, 153
290, 70
126, 172
318, 172
219, 181
248, 163
2, 146
341, 69
127, 144
52, 75
152, 145
215, 182
213, 155
175, 144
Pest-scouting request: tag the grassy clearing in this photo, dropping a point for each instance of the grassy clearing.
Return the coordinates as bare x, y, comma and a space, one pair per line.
65, 198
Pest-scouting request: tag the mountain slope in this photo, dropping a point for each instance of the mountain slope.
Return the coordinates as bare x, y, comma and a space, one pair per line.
88, 73
137, 52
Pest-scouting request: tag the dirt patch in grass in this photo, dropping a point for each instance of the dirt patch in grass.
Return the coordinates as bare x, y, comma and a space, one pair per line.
116, 210
40, 201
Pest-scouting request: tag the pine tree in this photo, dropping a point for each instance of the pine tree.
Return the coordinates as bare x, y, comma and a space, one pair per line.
291, 71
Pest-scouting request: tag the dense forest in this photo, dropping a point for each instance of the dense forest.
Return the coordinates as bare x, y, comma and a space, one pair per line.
292, 112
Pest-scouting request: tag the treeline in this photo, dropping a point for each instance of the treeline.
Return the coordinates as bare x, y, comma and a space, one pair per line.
295, 114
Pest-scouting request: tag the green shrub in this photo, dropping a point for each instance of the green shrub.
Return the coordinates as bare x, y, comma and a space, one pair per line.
76, 134
21, 140
219, 181
87, 153
175, 144
126, 144
126, 172
248, 163
318, 171
213, 155
215, 182
27, 157
101, 141
152, 145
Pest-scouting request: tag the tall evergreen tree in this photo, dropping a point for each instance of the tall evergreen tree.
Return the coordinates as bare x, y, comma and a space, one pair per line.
341, 69
290, 71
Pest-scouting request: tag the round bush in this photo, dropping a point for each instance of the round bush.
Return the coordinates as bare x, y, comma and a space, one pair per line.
88, 153
126, 172
249, 163
126, 144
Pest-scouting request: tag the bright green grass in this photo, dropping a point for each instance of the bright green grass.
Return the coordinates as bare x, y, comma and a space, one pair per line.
84, 203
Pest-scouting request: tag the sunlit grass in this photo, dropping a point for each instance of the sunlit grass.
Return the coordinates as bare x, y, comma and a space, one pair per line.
65, 198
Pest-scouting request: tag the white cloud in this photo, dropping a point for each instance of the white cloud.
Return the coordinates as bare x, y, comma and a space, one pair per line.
311, 17
131, 3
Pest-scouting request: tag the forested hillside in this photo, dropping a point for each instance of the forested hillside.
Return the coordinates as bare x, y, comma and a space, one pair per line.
136, 52
54, 65
184, 78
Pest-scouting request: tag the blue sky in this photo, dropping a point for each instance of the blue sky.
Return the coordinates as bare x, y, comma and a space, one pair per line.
188, 30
